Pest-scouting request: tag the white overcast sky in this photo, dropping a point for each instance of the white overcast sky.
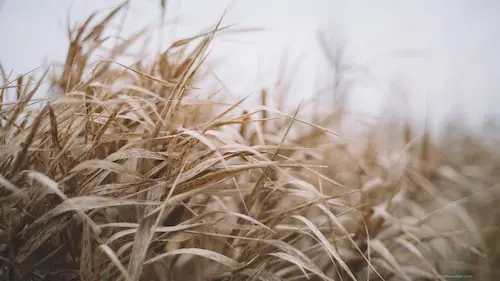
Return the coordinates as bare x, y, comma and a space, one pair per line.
439, 52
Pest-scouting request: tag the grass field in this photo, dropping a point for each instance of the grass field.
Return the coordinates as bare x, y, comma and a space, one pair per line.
132, 172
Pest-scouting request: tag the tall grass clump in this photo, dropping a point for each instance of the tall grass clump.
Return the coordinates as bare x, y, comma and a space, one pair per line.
128, 174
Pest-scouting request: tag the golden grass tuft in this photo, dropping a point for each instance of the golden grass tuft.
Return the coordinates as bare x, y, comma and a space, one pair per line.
127, 175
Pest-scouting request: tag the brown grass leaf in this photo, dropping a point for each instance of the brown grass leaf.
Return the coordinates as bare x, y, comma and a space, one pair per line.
40, 235
380, 248
115, 261
86, 273
199, 252
22, 104
327, 246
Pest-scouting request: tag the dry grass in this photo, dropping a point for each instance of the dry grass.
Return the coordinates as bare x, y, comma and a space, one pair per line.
128, 176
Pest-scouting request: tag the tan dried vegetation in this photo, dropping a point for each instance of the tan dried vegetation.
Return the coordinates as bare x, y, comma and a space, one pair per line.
128, 176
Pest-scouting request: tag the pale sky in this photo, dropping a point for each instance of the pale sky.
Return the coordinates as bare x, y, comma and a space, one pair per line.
442, 53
